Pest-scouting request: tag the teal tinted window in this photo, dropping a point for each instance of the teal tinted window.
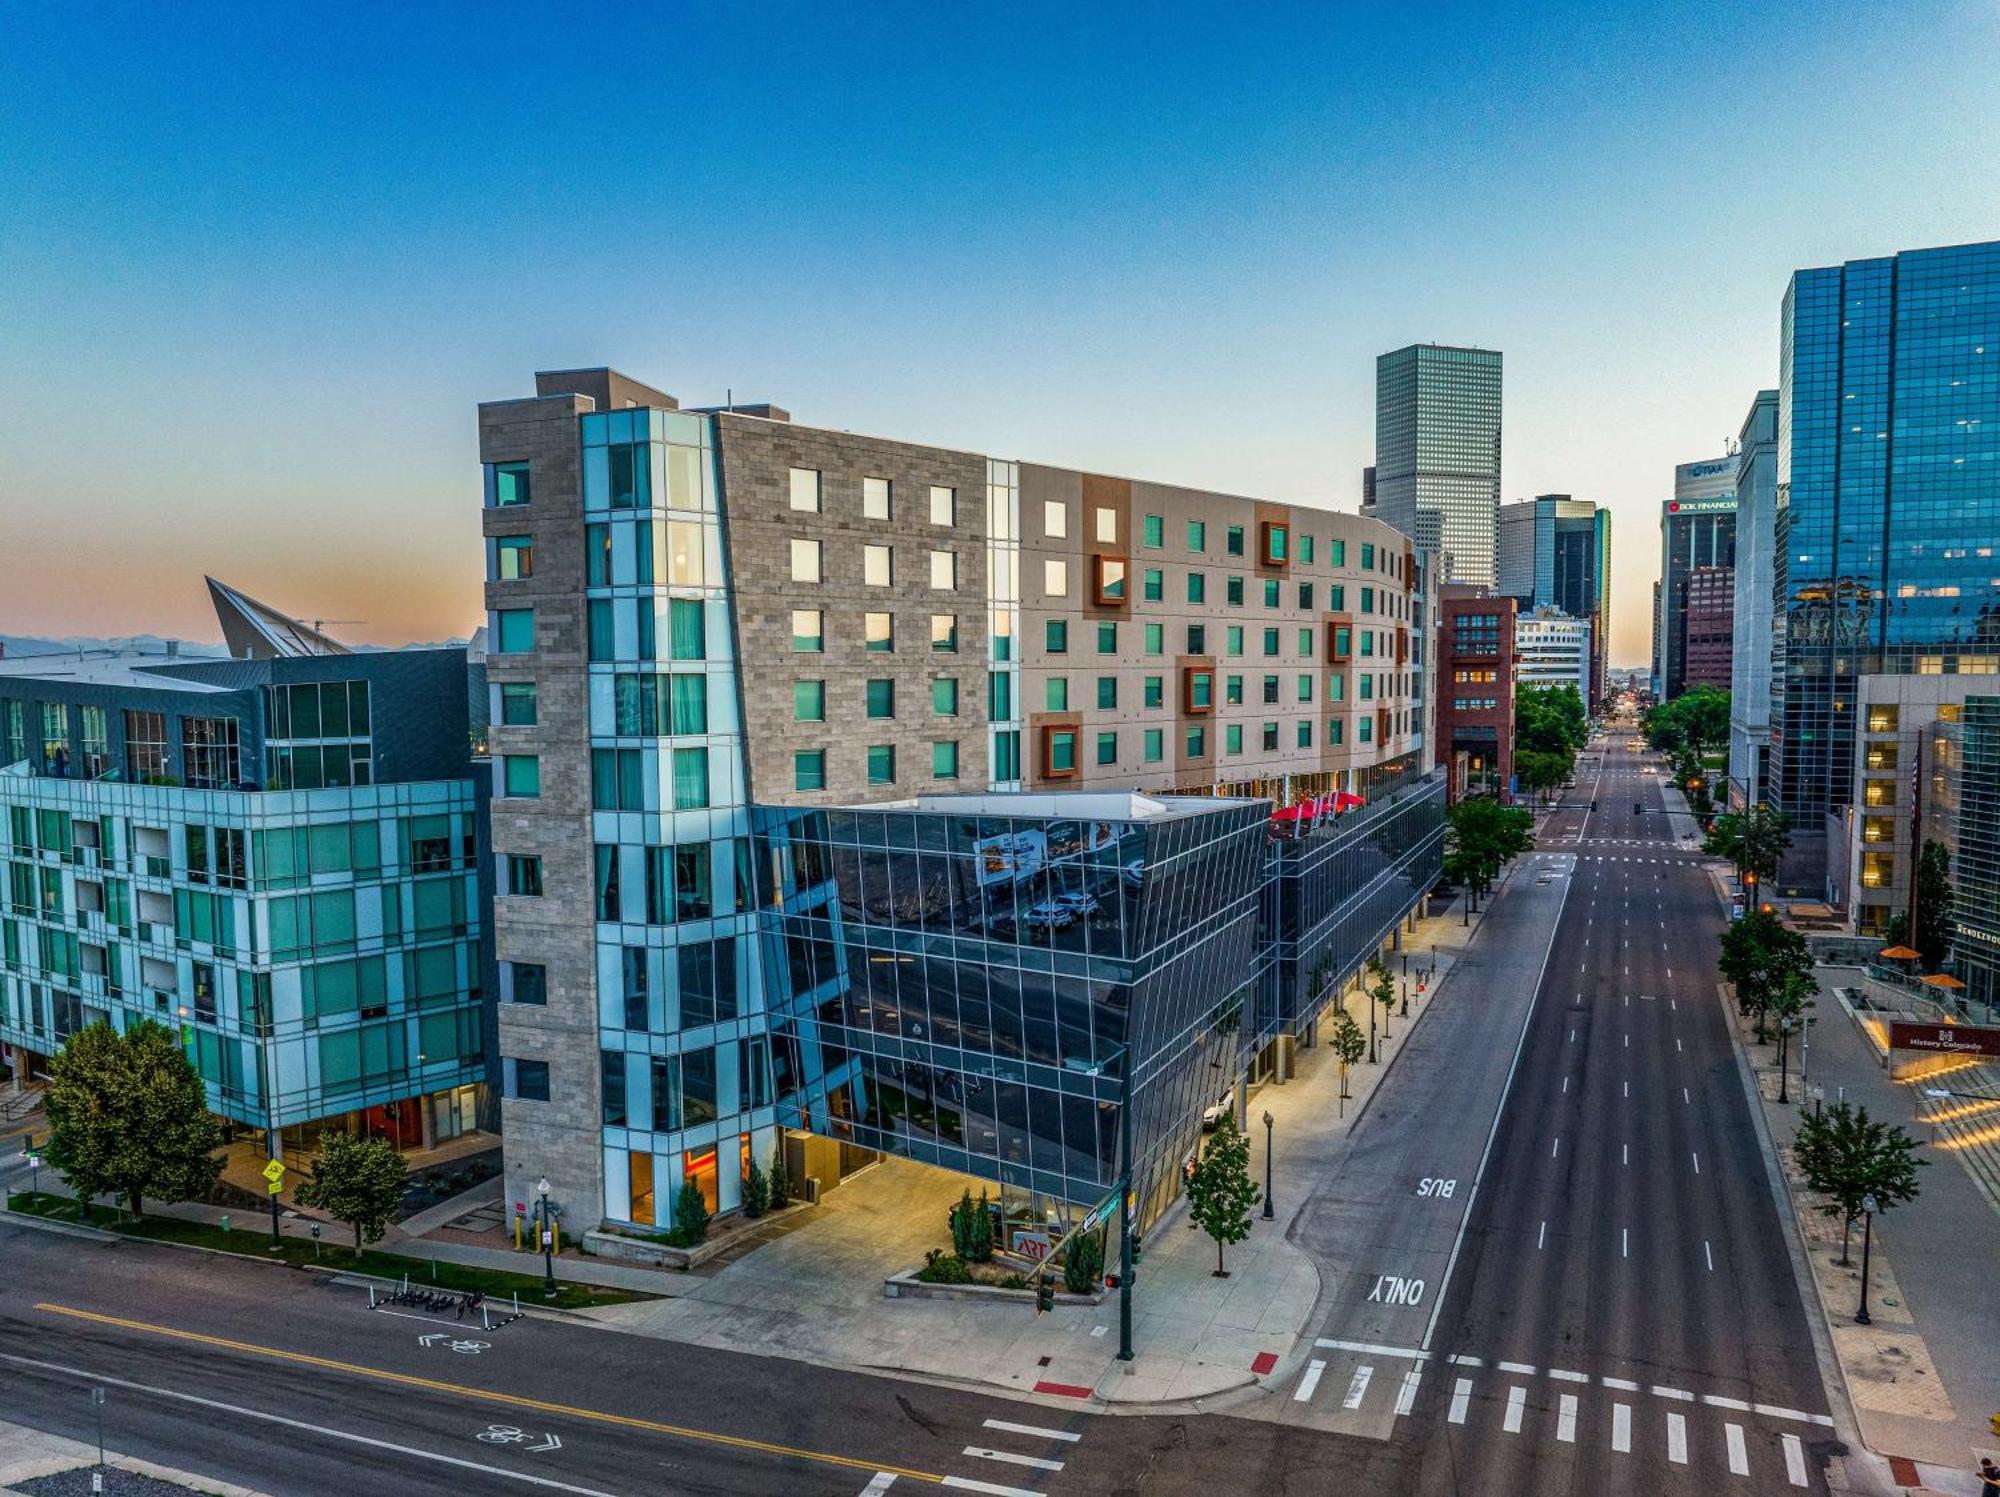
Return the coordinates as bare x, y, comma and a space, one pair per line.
1156, 639
517, 704
522, 774
944, 760
809, 701
1107, 691
1156, 585
1197, 535
516, 630
1107, 748
1155, 745
510, 484
944, 697
1062, 752
809, 769
881, 698
1107, 639
1235, 540
882, 764
1055, 638
1057, 691
1197, 587
1155, 530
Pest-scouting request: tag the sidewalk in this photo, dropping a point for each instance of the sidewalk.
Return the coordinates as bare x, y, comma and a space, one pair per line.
26, 1454
1924, 1376
816, 1294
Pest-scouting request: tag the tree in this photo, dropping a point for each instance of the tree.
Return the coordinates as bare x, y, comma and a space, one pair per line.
1550, 720
1788, 1004
691, 1216
1221, 1192
1541, 772
1757, 953
1934, 902
128, 1113
1480, 836
358, 1181
781, 1183
756, 1191
1847, 1157
1897, 931
1348, 1045
1381, 988
1083, 1263
1695, 722
1753, 839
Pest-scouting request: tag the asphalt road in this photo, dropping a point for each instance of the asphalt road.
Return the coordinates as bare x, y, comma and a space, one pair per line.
1618, 1314
286, 1382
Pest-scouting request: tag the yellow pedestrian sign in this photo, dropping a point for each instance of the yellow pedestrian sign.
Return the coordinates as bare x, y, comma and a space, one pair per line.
274, 1175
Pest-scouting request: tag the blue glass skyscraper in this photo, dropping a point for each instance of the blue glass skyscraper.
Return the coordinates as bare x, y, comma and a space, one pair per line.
1888, 500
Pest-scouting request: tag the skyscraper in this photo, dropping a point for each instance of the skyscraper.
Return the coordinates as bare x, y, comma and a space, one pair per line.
1697, 529
1555, 552
1888, 455
1437, 453
1750, 658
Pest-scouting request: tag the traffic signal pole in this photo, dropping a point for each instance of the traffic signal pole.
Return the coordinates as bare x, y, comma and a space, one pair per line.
1125, 1353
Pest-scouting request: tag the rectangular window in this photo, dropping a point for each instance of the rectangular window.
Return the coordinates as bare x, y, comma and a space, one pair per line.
1055, 577
881, 698
878, 632
601, 636
510, 484
1055, 519
1270, 738
1107, 748
514, 629
1197, 587
524, 876
1156, 639
805, 560
808, 635
1232, 738
1110, 573
805, 490
1156, 585
1272, 596
1306, 596
517, 704
944, 571
944, 505
1156, 691
210, 752
1305, 684
1107, 638
809, 701
1306, 550
1107, 526
1197, 743
145, 746
1233, 592
1270, 687
875, 499
1197, 535
878, 566
944, 696
1277, 545
1366, 728
1155, 530
944, 633
1336, 688
1305, 732
527, 983
1197, 639
1270, 641
1339, 557
1107, 692
1056, 690
1006, 757
944, 760
1367, 556
1200, 691
1233, 639
1155, 743
513, 557
1336, 729
527, 1080
597, 555
1233, 540
1232, 690
521, 774
1055, 637
1062, 752
881, 764
690, 779
809, 769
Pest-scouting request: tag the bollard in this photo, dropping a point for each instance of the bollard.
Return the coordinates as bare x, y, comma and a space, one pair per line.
517, 1302
485, 1321
371, 1296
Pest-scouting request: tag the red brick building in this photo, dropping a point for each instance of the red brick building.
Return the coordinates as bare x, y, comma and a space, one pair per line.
1709, 622
1475, 690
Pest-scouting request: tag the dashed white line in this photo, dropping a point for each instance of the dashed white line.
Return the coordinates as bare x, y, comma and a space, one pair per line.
1625, 1154
1697, 1160
1739, 1458
1552, 1147
1562, 1375
1621, 1428
1032, 1429
1628, 1088
1543, 1235
991, 1489
1685, 1097
1517, 1403
1795, 1460
1009, 1458
1309, 1382
1619, 1382
1680, 1393
1461, 1396
1677, 1439
1524, 1368
1357, 1387
1565, 1087
1407, 1399
1463, 1361
1566, 1419
1716, 1400
1773, 1411
1624, 1242
1709, 1254
879, 1483
1677, 1046
1371, 1349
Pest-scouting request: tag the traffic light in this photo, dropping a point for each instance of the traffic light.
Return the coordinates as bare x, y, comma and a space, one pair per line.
1045, 1296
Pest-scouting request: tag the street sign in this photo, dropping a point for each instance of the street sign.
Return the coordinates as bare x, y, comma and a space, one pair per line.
1101, 1212
274, 1171
276, 1187
1945, 1039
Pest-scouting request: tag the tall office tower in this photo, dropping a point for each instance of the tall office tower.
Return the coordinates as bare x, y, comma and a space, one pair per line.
1555, 552
1888, 502
715, 634
1437, 454
1750, 653
1368, 491
1697, 529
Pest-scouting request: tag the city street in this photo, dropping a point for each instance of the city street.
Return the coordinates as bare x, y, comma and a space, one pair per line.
1614, 1309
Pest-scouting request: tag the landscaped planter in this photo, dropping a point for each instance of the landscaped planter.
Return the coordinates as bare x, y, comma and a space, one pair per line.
655, 1254
908, 1286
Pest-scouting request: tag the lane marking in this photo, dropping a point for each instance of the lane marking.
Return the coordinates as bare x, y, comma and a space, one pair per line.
1628, 1088
1007, 1457
1540, 1237
1803, 1418
1677, 1439
991, 1489
299, 1424
1521, 1367
1462, 1361
1680, 1393
882, 1482
1626, 1384
1677, 1045
1624, 1242
1697, 1160
492, 1396
1032, 1429
1621, 1428
1552, 1154
1739, 1459
1407, 1399
1369, 1348
1708, 1253
1684, 1097
1562, 1375
1566, 1420
1716, 1400
1357, 1387
1795, 1460
1306, 1384
1461, 1395
1624, 1154
1565, 1087
1517, 1403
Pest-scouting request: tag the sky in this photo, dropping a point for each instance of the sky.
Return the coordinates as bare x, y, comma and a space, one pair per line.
258, 264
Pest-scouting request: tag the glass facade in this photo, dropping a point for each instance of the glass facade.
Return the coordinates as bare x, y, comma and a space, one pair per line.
1437, 454
1888, 508
1973, 798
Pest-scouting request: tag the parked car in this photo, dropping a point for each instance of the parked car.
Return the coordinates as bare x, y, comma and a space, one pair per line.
1050, 914
1082, 901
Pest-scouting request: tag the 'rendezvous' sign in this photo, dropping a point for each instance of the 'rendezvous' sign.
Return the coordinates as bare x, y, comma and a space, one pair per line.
1945, 1039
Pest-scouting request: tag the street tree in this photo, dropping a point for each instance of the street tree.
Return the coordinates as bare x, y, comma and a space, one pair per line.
1934, 901
1695, 722
359, 1181
1348, 1045
1753, 839
1220, 1191
1382, 989
1790, 1006
128, 1114
1481, 835
1551, 720
1542, 772
1757, 953
1847, 1157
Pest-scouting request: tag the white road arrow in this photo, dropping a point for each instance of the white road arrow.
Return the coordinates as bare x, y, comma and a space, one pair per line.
549, 1442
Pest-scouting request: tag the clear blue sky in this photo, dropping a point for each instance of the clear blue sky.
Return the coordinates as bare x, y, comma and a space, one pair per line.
258, 263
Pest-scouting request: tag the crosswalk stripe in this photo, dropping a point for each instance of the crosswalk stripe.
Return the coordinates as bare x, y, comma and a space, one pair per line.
1032, 1429
1358, 1387
880, 1483
1677, 1439
1461, 1395
1008, 1458
989, 1488
1795, 1460
1407, 1399
1517, 1402
1309, 1382
1566, 1420
1621, 1427
1739, 1459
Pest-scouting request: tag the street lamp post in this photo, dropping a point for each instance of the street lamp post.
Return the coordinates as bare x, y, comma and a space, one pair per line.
1406, 996
1819, 1101
1869, 1206
1370, 997
1268, 1215
1784, 1041
548, 1239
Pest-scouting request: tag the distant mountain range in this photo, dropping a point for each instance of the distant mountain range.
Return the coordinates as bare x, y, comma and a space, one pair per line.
18, 646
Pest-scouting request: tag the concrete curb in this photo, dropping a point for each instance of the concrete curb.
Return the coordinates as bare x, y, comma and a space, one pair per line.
61, 1229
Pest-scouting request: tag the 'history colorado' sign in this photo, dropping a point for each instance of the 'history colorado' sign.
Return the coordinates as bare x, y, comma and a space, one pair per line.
1945, 1039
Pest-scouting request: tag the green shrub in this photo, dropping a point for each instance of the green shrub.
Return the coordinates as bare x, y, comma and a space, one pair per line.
960, 1220
1083, 1263
756, 1192
941, 1267
981, 1245
691, 1216
781, 1183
